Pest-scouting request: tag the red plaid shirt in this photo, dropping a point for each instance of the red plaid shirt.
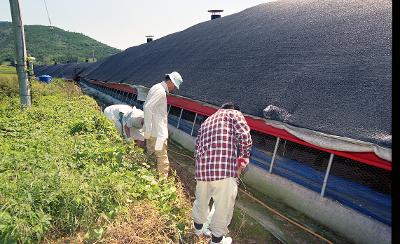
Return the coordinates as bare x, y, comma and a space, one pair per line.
222, 138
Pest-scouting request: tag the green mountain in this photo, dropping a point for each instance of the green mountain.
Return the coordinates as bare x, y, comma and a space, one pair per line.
51, 44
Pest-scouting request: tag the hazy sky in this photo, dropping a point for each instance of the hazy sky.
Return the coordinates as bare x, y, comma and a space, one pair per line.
123, 23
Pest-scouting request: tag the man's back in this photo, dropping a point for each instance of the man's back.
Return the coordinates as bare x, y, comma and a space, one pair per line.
222, 138
112, 111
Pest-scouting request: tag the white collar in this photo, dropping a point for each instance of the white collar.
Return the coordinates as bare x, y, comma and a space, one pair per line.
165, 86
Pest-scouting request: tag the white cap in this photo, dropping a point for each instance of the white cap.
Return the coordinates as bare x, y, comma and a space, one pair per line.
134, 120
176, 78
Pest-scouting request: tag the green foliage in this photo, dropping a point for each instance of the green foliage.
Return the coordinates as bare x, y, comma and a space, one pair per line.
7, 70
8, 85
49, 44
63, 165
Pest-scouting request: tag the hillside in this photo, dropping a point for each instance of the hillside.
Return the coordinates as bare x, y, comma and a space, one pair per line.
50, 44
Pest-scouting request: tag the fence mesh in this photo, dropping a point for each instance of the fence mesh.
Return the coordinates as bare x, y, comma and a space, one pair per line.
303, 165
361, 186
263, 141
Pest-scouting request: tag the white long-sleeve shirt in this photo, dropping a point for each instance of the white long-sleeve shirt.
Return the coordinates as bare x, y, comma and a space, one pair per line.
129, 114
156, 115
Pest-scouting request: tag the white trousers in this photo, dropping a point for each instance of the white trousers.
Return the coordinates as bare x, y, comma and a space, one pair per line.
224, 193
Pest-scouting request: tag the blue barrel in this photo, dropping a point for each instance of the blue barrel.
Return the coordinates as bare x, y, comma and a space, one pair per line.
45, 78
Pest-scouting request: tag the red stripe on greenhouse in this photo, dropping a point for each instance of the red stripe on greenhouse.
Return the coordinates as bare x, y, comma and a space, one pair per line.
369, 158
117, 86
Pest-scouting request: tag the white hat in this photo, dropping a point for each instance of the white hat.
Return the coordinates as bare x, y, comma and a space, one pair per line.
134, 120
176, 78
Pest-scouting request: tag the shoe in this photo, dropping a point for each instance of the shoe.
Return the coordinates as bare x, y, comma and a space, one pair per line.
203, 231
225, 240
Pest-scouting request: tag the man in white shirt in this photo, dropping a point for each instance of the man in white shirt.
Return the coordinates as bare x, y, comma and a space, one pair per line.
156, 120
128, 121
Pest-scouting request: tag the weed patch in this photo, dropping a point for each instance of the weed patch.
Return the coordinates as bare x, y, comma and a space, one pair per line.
64, 169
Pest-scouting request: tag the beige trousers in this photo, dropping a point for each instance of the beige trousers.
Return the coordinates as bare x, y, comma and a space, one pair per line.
161, 156
224, 193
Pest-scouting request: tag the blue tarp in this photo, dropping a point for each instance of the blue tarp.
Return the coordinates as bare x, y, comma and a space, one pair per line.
354, 195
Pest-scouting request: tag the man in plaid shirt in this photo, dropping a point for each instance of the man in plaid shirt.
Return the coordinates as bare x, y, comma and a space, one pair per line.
222, 151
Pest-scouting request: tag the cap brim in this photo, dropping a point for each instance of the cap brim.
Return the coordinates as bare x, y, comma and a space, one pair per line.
177, 87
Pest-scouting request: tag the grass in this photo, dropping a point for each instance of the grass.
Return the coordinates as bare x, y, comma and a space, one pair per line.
65, 172
8, 85
8, 81
7, 70
247, 230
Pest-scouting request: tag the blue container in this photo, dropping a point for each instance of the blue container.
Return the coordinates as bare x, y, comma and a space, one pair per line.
45, 78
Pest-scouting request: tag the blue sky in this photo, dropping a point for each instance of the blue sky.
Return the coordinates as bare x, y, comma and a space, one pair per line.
123, 23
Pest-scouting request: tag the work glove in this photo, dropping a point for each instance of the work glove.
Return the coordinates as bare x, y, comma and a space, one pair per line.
242, 164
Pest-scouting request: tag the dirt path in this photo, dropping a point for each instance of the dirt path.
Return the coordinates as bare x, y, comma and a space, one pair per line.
243, 229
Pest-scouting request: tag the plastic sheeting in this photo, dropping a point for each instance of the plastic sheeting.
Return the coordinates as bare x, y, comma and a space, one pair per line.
334, 142
350, 193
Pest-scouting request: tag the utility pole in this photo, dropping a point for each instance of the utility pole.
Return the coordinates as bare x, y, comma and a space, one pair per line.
24, 89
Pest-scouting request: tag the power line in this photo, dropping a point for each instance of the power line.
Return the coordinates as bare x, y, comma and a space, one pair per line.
48, 16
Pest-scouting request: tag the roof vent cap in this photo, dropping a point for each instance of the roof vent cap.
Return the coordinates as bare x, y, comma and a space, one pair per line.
149, 38
215, 13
